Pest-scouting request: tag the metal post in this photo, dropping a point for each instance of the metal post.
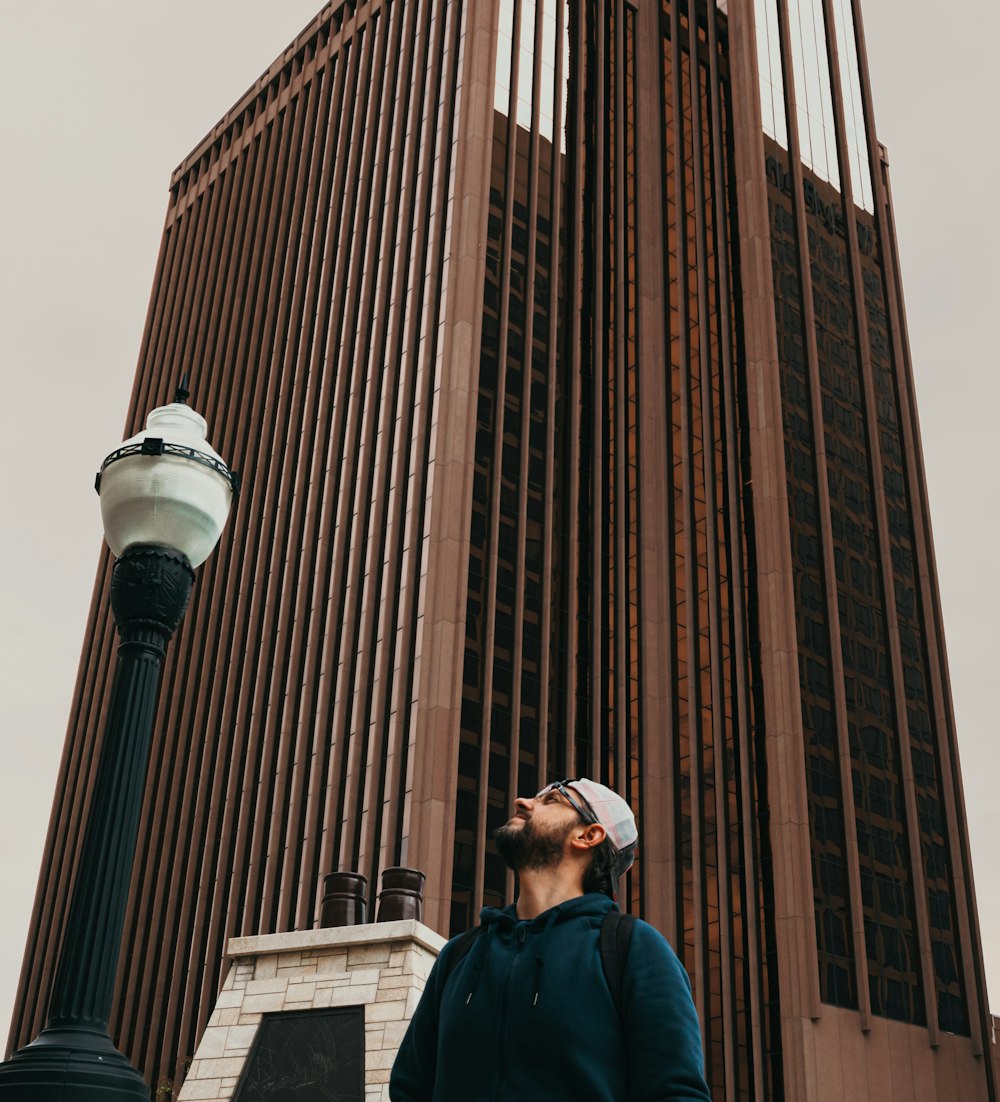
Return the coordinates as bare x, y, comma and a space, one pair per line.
73, 1059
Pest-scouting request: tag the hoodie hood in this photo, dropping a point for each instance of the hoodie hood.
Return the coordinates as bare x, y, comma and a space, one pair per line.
534, 934
595, 903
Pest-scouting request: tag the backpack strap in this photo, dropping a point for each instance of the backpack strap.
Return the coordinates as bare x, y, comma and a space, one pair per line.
460, 950
616, 936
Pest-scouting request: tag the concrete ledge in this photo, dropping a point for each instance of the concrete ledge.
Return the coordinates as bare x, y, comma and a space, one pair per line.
336, 936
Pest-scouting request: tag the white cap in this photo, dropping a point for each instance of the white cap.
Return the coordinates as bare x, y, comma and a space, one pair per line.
612, 812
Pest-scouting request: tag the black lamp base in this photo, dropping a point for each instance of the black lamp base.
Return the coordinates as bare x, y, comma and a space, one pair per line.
71, 1065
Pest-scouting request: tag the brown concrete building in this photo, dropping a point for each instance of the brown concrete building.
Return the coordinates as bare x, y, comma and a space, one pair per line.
562, 348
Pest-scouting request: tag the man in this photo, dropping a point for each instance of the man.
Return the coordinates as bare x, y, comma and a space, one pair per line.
526, 1014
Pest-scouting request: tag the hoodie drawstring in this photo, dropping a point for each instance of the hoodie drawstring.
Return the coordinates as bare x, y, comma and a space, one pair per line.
478, 956
540, 955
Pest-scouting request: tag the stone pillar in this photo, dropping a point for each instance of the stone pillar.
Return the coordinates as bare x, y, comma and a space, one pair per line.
380, 968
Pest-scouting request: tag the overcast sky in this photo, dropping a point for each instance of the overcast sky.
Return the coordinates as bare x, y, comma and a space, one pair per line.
102, 99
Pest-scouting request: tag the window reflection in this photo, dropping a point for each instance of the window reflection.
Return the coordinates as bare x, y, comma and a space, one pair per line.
813, 90
772, 91
529, 33
850, 80
813, 96
505, 52
547, 84
526, 64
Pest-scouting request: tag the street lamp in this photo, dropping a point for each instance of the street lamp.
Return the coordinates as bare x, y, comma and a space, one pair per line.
165, 496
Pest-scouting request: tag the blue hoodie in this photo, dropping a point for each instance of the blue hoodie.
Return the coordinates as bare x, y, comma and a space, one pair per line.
526, 1016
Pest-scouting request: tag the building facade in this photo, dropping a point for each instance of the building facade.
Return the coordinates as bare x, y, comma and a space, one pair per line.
563, 352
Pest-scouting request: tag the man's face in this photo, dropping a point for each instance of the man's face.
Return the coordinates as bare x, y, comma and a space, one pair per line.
535, 837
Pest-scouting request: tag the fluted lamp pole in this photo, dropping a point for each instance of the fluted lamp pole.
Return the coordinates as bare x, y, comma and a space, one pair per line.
165, 496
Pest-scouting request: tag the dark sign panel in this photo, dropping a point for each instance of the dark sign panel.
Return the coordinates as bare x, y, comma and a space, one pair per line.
306, 1056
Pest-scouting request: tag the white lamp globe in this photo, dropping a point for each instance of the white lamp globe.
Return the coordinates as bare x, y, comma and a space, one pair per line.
166, 485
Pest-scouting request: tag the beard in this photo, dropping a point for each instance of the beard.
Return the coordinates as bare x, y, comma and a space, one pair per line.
526, 847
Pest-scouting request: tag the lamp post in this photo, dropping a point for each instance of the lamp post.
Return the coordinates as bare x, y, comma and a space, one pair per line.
165, 496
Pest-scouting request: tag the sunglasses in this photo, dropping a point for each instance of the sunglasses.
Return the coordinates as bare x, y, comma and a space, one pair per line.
577, 802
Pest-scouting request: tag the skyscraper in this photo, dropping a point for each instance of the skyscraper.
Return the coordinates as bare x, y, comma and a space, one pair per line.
563, 350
